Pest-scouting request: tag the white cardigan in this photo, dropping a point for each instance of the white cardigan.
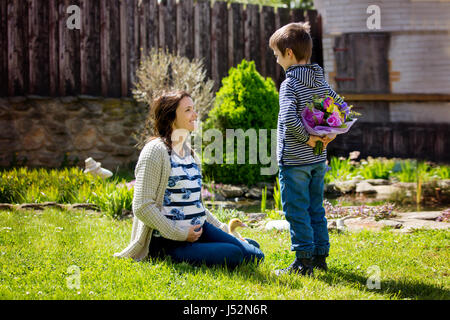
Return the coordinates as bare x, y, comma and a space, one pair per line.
152, 175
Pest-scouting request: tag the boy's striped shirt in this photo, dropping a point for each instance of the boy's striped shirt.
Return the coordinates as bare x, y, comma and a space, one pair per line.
301, 84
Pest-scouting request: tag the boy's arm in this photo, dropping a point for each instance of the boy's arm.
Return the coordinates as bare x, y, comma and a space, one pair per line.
335, 96
288, 112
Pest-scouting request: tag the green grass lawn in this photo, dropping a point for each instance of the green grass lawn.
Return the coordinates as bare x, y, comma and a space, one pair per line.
38, 248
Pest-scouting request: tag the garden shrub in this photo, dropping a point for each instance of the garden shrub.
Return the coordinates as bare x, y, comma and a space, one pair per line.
245, 101
161, 71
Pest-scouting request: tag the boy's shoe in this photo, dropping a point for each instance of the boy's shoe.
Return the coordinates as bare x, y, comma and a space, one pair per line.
299, 266
319, 262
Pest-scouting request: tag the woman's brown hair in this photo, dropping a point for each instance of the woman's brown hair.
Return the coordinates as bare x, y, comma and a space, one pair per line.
163, 113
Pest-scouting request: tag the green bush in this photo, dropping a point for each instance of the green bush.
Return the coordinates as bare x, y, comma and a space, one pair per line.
245, 101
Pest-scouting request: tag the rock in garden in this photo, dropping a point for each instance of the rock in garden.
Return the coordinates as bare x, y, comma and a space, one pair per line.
279, 225
444, 184
219, 197
358, 224
32, 206
410, 225
385, 192
378, 182
425, 215
331, 224
254, 193
6, 206
86, 206
365, 188
346, 186
406, 185
391, 223
230, 191
255, 217
330, 189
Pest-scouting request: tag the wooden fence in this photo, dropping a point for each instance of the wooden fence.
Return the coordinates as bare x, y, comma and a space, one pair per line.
40, 55
395, 139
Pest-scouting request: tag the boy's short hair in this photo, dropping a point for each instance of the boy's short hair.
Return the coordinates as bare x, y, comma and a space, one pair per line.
295, 36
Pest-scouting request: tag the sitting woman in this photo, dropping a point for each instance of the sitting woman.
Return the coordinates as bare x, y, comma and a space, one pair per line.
169, 217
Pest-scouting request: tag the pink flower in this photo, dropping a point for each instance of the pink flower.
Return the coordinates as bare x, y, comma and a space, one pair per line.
314, 117
334, 120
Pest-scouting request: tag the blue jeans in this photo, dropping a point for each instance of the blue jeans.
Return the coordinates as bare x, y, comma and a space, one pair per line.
214, 247
302, 200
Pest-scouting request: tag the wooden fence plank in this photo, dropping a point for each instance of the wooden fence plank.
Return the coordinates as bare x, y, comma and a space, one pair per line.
110, 55
219, 37
3, 48
69, 52
202, 34
315, 22
268, 61
38, 48
132, 41
251, 36
152, 18
167, 25
148, 26
298, 15
17, 48
185, 28
123, 49
105, 19
90, 47
235, 34
282, 18
53, 46
142, 15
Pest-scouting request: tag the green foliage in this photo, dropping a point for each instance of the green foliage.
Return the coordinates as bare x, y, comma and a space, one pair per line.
277, 195
440, 172
341, 169
68, 185
225, 214
245, 101
264, 199
407, 170
376, 168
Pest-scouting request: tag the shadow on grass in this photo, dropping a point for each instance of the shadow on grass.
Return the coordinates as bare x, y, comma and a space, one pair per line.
402, 288
247, 270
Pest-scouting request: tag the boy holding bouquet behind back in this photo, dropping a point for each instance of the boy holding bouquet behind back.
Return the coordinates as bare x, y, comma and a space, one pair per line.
301, 171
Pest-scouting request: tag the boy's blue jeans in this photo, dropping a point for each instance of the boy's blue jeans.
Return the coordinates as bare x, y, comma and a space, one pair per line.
214, 247
302, 200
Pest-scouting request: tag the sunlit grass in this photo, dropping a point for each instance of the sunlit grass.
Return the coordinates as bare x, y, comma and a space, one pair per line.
37, 249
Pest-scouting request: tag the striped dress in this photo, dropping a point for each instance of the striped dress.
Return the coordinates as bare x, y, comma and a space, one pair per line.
182, 202
301, 83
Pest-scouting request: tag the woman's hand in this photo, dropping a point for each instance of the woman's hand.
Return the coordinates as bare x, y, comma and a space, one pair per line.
194, 235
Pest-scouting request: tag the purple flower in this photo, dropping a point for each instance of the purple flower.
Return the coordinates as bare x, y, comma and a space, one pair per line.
314, 117
327, 102
130, 184
334, 120
344, 107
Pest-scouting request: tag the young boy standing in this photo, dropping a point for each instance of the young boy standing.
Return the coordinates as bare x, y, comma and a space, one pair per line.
301, 172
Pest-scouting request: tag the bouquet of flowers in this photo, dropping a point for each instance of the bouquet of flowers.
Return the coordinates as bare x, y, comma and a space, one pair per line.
325, 116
